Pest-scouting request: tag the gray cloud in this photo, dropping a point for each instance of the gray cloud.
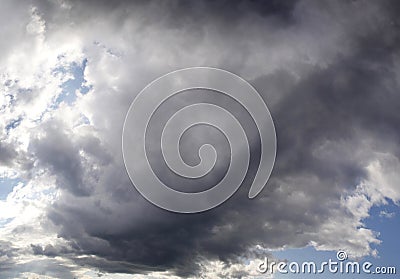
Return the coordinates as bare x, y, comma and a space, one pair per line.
7, 154
329, 74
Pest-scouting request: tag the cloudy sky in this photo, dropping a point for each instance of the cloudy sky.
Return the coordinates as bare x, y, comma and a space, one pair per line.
329, 72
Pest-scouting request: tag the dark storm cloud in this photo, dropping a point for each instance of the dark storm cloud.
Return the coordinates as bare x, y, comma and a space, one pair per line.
58, 153
325, 118
55, 151
215, 10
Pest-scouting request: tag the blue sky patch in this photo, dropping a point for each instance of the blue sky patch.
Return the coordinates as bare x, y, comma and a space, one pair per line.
6, 186
77, 82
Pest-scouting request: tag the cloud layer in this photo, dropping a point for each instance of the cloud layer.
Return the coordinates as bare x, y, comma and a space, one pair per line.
329, 72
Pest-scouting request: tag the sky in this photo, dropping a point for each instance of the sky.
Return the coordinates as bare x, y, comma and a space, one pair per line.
329, 72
